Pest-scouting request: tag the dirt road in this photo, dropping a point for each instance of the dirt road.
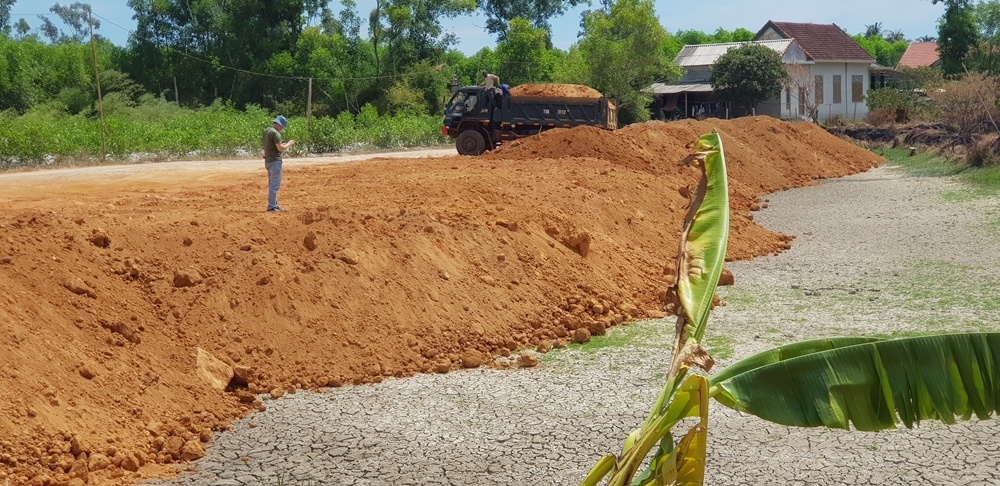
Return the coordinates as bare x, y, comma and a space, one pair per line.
112, 280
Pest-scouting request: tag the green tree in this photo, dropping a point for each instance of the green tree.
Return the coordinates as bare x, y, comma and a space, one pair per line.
406, 32
5, 6
692, 37
742, 35
622, 49
523, 55
570, 67
32, 72
873, 30
77, 17
749, 74
987, 17
957, 35
885, 52
893, 36
195, 40
499, 13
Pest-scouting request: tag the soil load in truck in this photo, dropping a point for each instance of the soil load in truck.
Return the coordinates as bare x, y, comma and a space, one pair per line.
480, 119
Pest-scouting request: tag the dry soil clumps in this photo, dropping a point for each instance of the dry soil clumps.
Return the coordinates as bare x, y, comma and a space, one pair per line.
388, 267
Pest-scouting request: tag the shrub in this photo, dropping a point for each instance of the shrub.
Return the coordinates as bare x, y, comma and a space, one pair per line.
881, 117
897, 102
985, 152
402, 99
836, 120
968, 103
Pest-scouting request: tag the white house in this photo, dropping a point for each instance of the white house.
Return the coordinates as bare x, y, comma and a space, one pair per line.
839, 71
694, 95
829, 76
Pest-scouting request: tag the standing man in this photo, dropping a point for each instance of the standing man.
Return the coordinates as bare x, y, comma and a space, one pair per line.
490, 81
272, 159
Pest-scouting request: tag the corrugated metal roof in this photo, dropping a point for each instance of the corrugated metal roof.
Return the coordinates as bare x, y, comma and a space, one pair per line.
706, 54
660, 88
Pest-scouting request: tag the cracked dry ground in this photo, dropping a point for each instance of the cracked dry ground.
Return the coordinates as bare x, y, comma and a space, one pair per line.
111, 282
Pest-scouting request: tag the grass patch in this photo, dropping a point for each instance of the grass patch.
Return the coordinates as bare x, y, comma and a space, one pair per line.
982, 181
924, 164
641, 335
720, 346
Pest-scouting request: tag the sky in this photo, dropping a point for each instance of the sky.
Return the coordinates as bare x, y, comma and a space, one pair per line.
915, 18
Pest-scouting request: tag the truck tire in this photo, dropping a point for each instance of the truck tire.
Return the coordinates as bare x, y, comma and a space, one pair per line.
470, 142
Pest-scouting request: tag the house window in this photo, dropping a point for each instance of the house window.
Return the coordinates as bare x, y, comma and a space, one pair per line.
802, 100
837, 89
857, 88
788, 99
819, 89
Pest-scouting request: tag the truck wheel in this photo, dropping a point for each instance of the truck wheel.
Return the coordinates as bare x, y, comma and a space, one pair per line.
470, 142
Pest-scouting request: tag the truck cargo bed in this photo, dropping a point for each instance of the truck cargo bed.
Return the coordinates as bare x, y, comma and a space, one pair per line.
555, 112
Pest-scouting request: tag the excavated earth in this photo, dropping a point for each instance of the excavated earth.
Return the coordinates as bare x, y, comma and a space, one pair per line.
129, 298
555, 90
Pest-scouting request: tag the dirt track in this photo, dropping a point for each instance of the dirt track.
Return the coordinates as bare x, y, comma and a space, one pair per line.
111, 283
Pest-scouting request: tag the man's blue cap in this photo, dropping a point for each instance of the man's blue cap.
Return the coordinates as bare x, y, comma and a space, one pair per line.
281, 121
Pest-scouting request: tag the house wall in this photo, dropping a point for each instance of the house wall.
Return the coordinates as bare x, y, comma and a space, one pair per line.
791, 108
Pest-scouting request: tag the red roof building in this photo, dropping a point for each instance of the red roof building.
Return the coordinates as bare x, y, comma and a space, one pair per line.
821, 42
920, 54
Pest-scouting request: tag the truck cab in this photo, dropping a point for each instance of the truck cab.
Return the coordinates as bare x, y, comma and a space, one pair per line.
480, 119
468, 118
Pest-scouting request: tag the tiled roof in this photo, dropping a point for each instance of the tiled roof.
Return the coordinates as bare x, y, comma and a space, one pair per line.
920, 54
821, 42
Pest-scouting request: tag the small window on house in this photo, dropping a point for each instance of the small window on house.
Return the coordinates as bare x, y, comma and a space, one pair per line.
788, 99
819, 89
857, 88
837, 89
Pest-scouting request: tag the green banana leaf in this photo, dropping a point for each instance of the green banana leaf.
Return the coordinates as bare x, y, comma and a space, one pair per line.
684, 463
872, 386
703, 246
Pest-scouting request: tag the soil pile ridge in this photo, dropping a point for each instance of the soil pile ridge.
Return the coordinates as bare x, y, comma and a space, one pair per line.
114, 292
555, 90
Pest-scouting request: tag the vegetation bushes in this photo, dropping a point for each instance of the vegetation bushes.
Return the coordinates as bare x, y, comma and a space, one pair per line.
889, 105
967, 103
881, 117
985, 152
156, 129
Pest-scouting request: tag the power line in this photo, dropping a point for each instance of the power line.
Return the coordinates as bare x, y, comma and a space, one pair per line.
112, 23
280, 76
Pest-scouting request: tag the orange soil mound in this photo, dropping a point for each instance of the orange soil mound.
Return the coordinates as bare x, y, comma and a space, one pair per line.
555, 90
108, 288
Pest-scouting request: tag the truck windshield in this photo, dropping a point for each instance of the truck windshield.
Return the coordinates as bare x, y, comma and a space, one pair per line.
462, 102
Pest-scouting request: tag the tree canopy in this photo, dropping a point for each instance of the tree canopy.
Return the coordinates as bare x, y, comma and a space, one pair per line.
957, 35
749, 75
623, 50
499, 14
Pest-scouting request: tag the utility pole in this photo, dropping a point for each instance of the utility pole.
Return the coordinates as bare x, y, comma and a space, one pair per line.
97, 75
309, 105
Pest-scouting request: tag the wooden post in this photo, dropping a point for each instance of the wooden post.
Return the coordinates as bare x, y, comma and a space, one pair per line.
309, 105
97, 75
177, 95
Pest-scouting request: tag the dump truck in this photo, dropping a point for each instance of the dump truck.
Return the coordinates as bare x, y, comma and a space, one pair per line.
480, 119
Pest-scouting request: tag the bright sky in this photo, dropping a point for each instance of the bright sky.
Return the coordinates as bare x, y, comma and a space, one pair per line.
915, 18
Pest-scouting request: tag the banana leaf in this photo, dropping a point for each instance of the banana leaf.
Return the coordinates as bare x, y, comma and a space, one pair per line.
872, 386
703, 244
